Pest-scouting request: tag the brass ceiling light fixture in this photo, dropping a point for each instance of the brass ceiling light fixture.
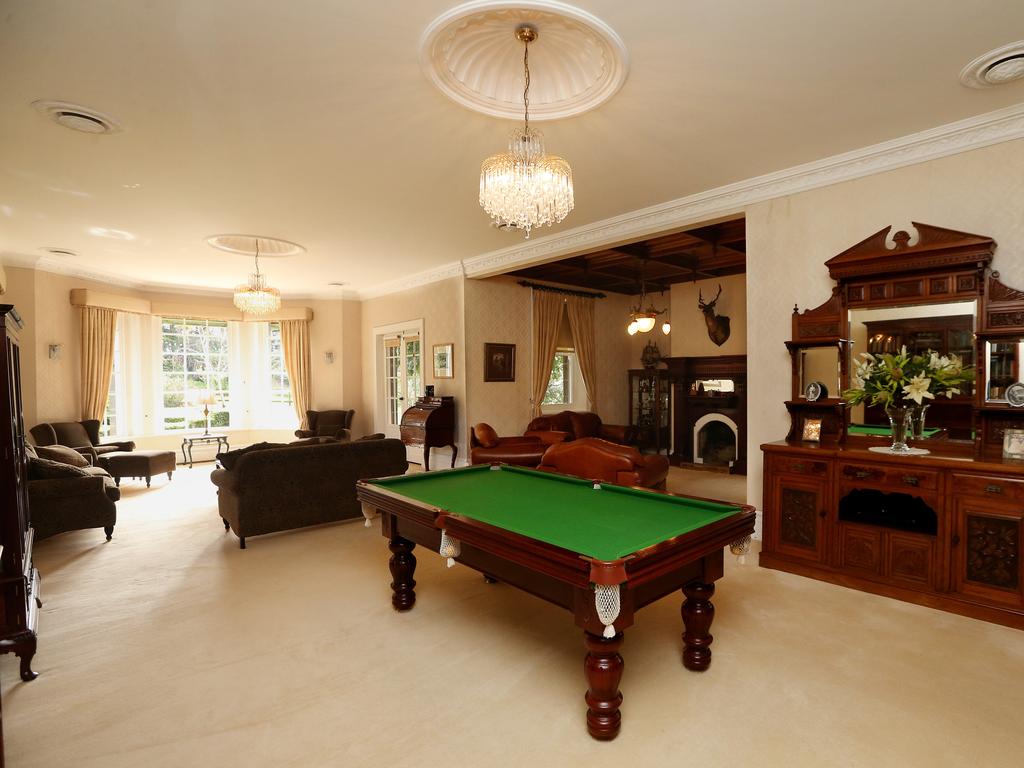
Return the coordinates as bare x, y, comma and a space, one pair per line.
525, 188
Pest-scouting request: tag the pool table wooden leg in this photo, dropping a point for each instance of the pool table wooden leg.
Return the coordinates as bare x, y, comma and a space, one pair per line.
698, 613
603, 666
403, 566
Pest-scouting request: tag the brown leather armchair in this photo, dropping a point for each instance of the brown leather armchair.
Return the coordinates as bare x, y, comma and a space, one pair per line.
485, 446
334, 424
577, 424
83, 436
596, 459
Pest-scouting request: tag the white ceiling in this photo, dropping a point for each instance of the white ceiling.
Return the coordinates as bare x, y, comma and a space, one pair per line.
312, 120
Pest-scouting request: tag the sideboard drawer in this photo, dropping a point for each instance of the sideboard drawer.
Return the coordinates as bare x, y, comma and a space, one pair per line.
995, 488
894, 477
796, 466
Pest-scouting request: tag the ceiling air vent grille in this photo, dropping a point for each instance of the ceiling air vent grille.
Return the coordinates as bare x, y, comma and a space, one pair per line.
77, 117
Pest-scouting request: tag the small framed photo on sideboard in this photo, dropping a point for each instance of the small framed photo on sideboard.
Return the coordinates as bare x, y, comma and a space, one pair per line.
812, 430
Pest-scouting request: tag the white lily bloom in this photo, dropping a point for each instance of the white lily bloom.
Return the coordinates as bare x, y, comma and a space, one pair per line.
917, 389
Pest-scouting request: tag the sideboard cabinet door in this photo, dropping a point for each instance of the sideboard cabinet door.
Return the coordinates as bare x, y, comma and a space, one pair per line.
987, 563
795, 523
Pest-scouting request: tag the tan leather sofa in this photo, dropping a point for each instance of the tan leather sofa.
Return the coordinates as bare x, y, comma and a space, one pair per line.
596, 459
485, 447
572, 425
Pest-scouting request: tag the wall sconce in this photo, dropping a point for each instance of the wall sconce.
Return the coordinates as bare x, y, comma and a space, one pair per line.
55, 350
329, 357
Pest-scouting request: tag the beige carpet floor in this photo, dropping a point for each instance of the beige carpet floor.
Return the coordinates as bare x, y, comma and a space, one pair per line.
169, 646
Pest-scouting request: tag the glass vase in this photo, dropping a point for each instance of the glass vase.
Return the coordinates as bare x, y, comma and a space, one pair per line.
900, 421
917, 421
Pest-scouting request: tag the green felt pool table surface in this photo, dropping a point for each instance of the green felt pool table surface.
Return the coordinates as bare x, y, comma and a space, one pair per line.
872, 429
605, 524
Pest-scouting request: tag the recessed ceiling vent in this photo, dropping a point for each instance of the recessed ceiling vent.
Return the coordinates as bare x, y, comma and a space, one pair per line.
269, 247
60, 252
1002, 65
77, 117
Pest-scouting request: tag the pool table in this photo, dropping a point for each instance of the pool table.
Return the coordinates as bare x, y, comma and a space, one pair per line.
600, 551
879, 430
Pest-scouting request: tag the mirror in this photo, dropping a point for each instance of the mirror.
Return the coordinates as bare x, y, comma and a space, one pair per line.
1002, 364
713, 387
944, 328
820, 364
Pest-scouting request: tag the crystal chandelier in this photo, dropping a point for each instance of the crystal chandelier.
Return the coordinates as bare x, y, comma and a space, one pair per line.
256, 297
525, 188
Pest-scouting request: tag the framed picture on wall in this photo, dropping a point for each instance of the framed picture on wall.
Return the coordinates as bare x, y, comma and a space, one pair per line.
444, 362
499, 362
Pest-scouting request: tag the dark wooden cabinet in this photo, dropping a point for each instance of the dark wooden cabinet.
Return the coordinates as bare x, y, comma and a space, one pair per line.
430, 423
942, 530
799, 494
650, 405
19, 580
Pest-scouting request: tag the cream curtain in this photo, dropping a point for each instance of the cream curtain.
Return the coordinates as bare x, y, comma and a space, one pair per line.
99, 326
295, 345
547, 316
581, 321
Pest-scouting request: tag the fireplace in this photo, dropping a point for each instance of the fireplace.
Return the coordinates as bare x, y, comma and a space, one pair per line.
716, 441
709, 421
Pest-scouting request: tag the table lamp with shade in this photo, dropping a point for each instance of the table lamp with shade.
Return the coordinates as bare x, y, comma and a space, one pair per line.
207, 399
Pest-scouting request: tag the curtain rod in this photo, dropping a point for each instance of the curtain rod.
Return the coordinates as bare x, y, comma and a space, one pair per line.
564, 291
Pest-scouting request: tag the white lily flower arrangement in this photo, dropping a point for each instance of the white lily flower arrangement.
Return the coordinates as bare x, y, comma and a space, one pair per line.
902, 378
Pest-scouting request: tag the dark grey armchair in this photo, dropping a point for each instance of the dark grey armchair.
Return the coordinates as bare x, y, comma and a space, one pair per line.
336, 424
83, 436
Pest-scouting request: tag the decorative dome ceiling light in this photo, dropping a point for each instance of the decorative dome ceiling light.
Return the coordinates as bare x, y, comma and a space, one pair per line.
256, 297
524, 187
643, 320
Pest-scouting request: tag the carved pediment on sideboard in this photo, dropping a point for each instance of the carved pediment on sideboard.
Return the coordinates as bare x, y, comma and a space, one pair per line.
936, 248
826, 323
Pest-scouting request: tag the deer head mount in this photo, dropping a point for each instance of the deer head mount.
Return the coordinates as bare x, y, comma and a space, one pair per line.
718, 325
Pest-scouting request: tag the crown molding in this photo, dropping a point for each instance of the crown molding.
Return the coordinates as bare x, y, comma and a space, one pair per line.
971, 133
443, 272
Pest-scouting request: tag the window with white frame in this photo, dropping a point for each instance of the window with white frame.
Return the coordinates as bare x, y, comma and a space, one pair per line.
194, 367
280, 386
560, 384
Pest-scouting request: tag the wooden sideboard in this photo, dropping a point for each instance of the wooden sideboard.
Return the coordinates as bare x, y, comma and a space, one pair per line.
941, 530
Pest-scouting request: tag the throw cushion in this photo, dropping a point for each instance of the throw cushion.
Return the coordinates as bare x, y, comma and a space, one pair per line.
44, 469
485, 435
62, 454
228, 459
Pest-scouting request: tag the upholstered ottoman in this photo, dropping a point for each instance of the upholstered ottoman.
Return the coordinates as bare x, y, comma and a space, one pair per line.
138, 464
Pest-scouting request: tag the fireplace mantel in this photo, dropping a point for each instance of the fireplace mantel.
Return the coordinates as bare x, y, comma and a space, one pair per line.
690, 408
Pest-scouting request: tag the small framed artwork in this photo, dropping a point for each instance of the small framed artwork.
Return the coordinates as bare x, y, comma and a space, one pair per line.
812, 430
444, 361
499, 362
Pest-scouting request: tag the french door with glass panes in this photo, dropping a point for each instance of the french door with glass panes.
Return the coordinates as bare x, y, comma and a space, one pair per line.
403, 376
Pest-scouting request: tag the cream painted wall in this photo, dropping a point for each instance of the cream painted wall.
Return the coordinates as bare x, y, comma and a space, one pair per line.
690, 333
441, 306
789, 239
500, 310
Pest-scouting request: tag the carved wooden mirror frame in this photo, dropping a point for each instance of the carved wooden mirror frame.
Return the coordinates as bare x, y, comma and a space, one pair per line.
944, 265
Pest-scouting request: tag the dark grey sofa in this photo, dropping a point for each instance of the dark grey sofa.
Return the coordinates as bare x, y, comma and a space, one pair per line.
85, 499
277, 488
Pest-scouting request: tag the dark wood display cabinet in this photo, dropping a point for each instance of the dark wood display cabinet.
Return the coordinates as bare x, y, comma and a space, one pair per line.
650, 405
942, 529
19, 580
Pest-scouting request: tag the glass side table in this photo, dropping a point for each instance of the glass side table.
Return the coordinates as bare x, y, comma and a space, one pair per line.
188, 442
